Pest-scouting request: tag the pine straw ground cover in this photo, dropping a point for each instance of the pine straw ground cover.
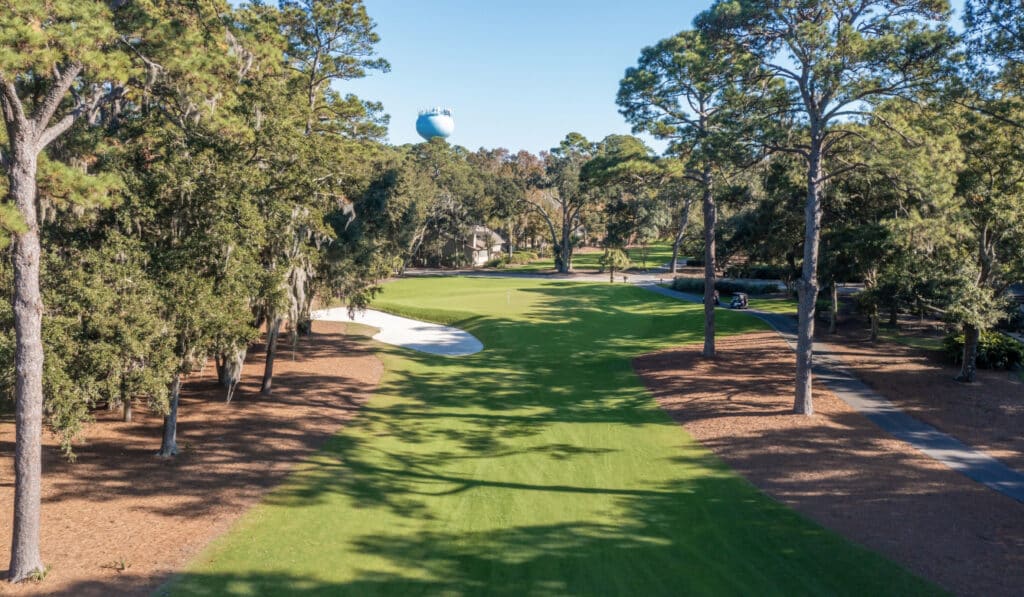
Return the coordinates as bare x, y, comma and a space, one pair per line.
120, 520
540, 466
840, 469
988, 414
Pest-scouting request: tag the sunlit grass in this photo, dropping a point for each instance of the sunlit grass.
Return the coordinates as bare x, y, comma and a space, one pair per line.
658, 254
540, 466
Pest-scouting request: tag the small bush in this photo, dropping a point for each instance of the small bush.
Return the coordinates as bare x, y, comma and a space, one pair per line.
497, 262
696, 285
518, 258
760, 271
523, 257
995, 351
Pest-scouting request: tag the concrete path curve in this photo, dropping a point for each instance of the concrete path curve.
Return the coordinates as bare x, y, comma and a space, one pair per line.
409, 333
943, 447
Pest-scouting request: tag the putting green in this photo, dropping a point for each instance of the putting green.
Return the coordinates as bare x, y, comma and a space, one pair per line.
539, 466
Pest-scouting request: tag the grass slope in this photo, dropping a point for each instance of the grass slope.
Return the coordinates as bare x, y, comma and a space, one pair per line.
539, 466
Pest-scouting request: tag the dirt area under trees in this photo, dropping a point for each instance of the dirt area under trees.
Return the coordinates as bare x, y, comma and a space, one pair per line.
987, 414
844, 472
120, 520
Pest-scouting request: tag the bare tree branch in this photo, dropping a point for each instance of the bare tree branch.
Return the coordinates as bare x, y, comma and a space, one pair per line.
14, 113
58, 91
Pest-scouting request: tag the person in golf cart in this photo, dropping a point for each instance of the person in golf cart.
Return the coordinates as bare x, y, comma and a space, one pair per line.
739, 301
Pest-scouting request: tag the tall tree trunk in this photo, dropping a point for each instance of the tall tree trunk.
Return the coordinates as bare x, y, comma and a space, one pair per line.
126, 404
511, 245
710, 223
834, 311
684, 219
219, 361
565, 250
233, 364
273, 331
969, 368
169, 444
808, 285
972, 334
28, 364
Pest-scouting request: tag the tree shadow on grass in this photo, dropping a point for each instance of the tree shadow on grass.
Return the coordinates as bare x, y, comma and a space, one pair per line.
838, 468
681, 538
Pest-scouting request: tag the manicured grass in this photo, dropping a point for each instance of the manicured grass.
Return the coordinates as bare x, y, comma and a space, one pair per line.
658, 254
539, 466
922, 342
782, 306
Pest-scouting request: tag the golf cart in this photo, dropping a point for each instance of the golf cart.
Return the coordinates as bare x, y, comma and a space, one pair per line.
739, 301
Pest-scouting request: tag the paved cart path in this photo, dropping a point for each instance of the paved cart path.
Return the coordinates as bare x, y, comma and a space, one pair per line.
943, 447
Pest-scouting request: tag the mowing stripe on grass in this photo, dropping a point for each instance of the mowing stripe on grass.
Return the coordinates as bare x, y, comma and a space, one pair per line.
539, 466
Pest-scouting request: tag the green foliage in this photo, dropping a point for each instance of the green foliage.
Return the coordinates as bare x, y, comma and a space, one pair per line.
106, 341
625, 171
38, 36
760, 271
995, 37
518, 258
995, 351
613, 259
696, 285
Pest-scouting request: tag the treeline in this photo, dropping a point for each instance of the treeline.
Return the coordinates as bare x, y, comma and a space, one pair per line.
851, 141
181, 176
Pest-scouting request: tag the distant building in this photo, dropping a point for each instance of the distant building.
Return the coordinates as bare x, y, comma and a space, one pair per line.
485, 245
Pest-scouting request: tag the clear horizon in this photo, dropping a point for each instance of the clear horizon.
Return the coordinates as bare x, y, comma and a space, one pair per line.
516, 75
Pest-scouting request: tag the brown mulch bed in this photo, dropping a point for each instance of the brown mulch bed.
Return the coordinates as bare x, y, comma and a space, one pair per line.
121, 502
838, 468
987, 414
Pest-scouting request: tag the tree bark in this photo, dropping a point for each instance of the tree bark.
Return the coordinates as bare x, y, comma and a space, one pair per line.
511, 247
710, 223
808, 285
273, 331
126, 404
28, 364
684, 219
834, 312
969, 368
233, 365
565, 250
169, 444
220, 362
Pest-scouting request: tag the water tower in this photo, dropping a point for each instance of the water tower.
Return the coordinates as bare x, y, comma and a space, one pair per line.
435, 122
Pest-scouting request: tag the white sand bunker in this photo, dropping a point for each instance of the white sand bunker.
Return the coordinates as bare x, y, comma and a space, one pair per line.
409, 333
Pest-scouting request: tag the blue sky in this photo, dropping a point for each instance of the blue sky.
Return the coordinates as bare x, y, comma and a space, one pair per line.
519, 74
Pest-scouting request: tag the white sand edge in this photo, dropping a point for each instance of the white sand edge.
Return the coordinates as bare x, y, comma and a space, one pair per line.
409, 333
